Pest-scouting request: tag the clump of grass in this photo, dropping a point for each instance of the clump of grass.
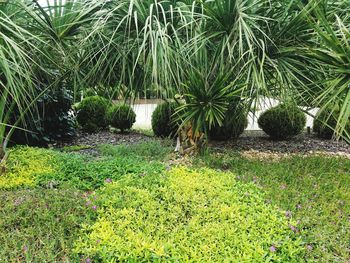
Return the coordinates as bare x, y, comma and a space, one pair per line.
80, 172
149, 150
32, 167
40, 225
147, 132
25, 164
76, 148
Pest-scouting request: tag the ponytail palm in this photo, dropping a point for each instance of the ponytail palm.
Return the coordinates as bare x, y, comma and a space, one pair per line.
37, 53
17, 86
209, 52
333, 54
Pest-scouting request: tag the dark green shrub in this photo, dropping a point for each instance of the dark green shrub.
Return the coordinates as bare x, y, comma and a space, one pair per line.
91, 113
282, 122
234, 124
50, 120
163, 124
121, 116
325, 122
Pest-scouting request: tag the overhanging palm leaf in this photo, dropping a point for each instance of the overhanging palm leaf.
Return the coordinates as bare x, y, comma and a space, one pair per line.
333, 54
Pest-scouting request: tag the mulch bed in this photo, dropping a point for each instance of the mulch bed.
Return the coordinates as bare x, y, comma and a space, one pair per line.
106, 137
103, 137
249, 141
304, 144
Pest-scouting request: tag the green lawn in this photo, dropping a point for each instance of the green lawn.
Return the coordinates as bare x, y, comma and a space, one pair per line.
131, 204
314, 191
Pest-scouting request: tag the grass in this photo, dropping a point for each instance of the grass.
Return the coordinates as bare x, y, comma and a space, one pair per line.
33, 167
147, 132
313, 190
48, 197
76, 148
40, 225
148, 150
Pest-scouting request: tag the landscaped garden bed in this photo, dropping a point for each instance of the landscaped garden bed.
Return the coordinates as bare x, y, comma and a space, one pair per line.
80, 183
248, 141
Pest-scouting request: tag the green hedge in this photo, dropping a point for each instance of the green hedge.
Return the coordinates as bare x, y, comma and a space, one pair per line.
325, 123
163, 124
234, 124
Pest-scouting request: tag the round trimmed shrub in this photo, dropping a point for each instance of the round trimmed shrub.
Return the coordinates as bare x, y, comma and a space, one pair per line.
162, 120
234, 124
282, 122
325, 122
121, 116
91, 113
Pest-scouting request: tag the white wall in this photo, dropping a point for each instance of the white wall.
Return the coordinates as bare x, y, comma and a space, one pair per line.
144, 114
44, 2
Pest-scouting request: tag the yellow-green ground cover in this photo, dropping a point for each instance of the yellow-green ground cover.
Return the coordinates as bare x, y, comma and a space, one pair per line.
129, 205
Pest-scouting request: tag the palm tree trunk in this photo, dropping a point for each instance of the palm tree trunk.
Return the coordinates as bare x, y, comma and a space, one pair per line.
189, 142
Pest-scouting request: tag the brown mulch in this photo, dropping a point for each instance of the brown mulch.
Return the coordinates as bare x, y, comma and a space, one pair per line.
106, 137
252, 141
103, 137
304, 144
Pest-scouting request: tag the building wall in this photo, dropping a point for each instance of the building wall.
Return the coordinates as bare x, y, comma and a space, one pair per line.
144, 114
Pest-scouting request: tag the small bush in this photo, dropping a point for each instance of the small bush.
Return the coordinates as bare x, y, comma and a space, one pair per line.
325, 122
234, 124
52, 119
121, 116
282, 122
187, 216
163, 124
91, 113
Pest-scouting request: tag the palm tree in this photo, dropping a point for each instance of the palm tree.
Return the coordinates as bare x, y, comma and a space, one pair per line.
209, 52
332, 53
39, 50
17, 65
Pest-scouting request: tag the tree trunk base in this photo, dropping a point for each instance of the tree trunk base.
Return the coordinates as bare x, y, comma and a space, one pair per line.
190, 143
2, 169
3, 157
